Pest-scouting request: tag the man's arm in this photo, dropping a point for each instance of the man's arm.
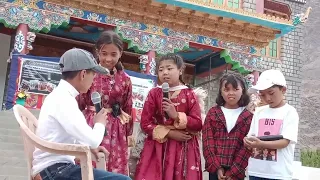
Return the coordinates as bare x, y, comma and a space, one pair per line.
73, 121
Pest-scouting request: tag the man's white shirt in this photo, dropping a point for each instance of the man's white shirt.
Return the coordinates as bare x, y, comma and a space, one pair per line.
61, 121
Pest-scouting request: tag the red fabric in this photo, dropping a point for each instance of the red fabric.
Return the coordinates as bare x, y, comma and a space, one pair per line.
223, 149
116, 141
171, 160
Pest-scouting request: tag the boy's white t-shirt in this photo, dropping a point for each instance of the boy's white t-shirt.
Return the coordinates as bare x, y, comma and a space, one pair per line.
268, 163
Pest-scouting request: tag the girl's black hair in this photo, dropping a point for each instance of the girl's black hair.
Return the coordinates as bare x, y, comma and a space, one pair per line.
178, 60
110, 37
234, 79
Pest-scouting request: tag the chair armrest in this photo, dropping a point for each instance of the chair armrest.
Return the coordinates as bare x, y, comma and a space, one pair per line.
57, 148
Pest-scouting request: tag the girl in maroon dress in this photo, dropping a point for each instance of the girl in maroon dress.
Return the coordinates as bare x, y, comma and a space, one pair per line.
116, 95
171, 149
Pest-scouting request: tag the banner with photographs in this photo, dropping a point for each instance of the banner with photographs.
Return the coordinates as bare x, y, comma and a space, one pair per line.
40, 75
140, 90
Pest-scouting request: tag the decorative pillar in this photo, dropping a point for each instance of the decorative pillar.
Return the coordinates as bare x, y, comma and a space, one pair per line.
152, 63
147, 63
22, 45
255, 76
251, 80
20, 42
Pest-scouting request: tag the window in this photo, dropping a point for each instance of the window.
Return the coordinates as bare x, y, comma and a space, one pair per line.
229, 3
272, 50
219, 2
233, 3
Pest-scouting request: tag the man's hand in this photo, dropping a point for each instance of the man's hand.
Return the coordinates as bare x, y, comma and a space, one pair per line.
221, 175
98, 150
101, 117
179, 135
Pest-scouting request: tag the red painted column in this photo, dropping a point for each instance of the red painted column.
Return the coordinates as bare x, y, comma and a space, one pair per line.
20, 42
150, 66
147, 63
256, 76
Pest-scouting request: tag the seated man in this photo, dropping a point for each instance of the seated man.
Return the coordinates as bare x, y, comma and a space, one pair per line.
61, 121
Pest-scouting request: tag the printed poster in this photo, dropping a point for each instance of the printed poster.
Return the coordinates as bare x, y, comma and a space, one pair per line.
267, 127
140, 90
39, 77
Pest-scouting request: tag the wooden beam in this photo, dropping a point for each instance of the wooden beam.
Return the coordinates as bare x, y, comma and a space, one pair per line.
76, 42
202, 46
206, 55
215, 70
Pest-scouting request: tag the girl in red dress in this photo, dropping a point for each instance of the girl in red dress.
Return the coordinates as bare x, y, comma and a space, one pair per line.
171, 149
116, 95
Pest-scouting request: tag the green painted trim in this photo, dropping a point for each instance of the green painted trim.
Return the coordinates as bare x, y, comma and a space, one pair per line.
38, 20
235, 64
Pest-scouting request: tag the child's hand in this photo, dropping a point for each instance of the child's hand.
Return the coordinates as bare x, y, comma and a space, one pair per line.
246, 142
221, 175
169, 108
179, 135
253, 142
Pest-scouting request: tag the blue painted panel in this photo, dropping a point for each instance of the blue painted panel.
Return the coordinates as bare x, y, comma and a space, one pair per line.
193, 55
89, 37
255, 20
204, 65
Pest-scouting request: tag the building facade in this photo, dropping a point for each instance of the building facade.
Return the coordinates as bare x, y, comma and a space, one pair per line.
213, 36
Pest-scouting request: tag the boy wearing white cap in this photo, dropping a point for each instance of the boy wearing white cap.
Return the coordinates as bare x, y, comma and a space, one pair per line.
275, 158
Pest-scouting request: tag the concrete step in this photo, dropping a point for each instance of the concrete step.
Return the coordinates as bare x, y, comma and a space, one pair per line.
12, 153
9, 125
11, 146
13, 177
13, 171
13, 161
11, 139
10, 132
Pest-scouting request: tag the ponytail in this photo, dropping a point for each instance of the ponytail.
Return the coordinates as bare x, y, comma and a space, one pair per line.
182, 81
119, 66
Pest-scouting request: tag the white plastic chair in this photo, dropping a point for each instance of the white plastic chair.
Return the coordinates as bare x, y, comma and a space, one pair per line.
28, 125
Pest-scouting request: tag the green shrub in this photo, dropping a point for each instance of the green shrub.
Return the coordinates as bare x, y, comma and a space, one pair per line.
310, 158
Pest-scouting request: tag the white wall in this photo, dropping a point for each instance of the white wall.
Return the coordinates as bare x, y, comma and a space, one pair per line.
4, 55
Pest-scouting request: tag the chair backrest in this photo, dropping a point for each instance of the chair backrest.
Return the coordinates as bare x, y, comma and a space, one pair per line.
28, 125
27, 122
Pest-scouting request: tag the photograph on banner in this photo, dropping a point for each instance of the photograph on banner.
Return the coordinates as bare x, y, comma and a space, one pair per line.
39, 77
140, 90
